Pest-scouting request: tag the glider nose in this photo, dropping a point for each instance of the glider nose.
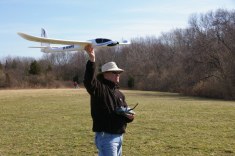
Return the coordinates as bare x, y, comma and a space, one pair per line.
113, 44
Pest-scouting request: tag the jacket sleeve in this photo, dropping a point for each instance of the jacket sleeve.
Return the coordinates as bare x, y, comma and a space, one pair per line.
90, 82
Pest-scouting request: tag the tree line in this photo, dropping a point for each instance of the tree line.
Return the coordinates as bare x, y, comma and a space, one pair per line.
198, 60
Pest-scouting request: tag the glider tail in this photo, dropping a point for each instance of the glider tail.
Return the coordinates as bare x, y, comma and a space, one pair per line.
44, 35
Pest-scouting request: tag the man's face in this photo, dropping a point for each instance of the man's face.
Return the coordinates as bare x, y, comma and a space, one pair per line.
112, 76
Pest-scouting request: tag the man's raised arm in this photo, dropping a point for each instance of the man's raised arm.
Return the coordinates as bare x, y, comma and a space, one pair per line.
91, 52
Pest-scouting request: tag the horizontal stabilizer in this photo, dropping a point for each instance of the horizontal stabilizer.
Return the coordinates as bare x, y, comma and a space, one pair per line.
39, 47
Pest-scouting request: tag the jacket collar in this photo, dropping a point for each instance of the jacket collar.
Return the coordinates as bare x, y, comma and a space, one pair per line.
108, 82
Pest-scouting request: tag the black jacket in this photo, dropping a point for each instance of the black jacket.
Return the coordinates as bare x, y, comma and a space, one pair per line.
105, 99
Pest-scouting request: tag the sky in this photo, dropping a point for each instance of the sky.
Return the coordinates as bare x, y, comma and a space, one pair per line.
89, 19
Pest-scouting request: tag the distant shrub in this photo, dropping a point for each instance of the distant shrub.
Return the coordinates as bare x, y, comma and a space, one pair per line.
211, 89
131, 82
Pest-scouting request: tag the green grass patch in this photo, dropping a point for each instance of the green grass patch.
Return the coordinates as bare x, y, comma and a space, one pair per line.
58, 122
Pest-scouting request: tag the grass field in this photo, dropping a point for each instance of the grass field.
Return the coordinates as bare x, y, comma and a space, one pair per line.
57, 122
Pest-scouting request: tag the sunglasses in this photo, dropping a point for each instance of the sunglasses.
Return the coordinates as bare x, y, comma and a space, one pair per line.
116, 72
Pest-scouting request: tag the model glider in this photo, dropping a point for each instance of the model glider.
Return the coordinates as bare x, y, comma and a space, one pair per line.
71, 45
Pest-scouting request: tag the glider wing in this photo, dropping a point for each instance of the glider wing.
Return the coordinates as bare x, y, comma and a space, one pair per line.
53, 41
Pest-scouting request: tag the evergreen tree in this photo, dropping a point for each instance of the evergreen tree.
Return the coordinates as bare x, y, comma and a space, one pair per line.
35, 68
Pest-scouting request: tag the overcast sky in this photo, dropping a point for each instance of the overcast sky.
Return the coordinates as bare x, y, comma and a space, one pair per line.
88, 19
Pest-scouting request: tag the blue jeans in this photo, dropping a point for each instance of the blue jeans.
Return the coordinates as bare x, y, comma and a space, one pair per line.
109, 144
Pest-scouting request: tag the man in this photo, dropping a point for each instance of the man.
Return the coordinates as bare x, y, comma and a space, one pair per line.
108, 125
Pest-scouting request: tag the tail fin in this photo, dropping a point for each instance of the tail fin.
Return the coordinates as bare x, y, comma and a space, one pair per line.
44, 35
